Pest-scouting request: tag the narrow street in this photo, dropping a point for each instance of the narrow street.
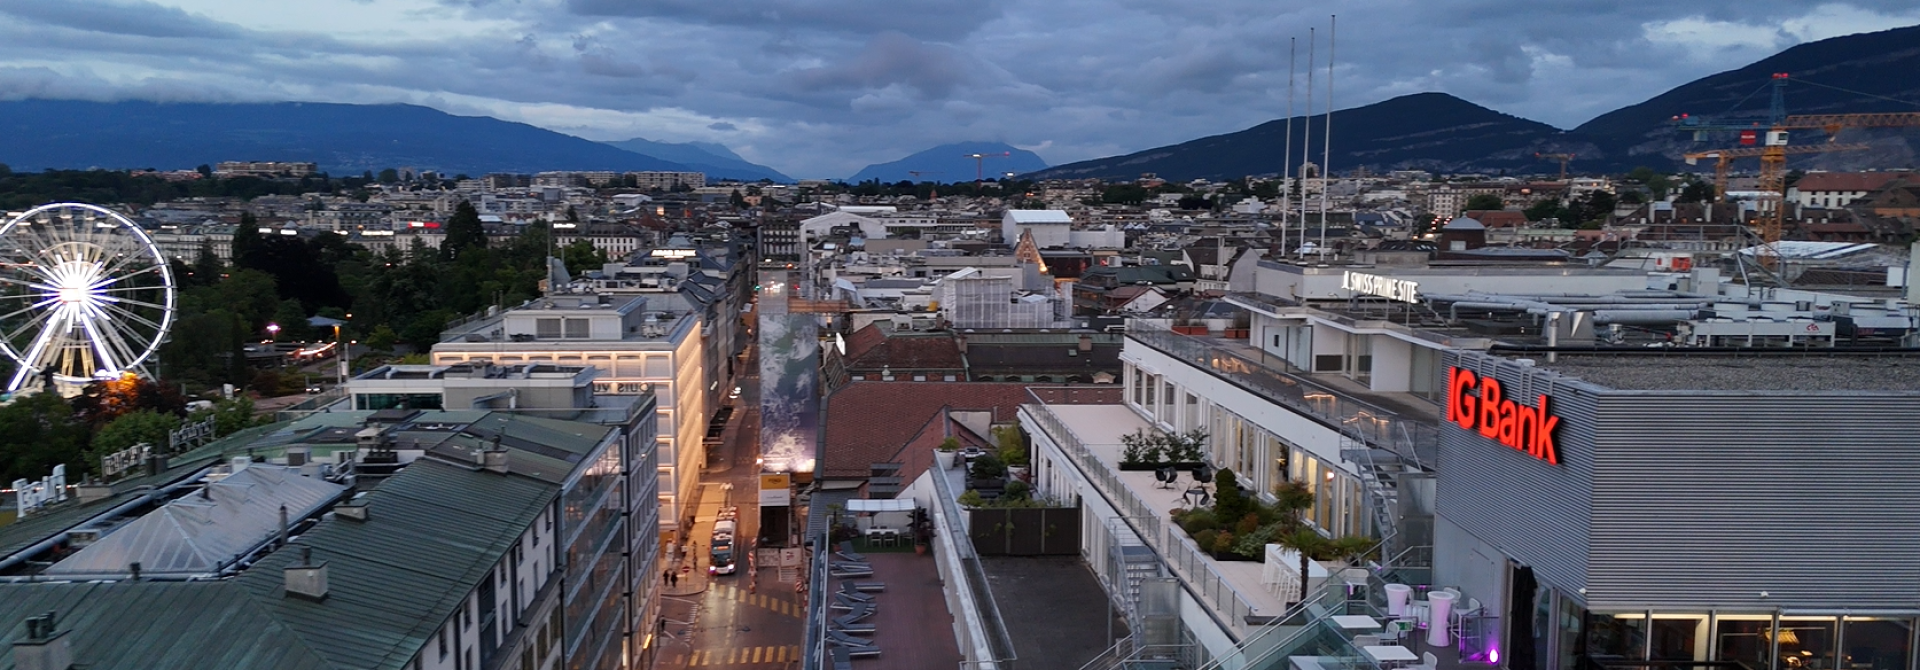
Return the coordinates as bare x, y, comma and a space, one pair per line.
737, 620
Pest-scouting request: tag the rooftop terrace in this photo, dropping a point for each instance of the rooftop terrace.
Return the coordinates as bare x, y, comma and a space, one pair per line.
1090, 434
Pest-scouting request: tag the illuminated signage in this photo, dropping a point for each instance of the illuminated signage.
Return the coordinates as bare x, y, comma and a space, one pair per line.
1475, 403
1385, 287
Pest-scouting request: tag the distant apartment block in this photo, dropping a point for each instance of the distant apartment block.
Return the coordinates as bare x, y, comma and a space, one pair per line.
666, 181
264, 169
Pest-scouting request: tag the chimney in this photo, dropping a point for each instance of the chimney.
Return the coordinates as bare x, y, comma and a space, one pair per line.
306, 580
42, 648
494, 460
355, 511
1086, 343
283, 525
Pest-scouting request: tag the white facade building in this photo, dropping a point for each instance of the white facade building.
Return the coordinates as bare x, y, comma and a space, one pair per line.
632, 347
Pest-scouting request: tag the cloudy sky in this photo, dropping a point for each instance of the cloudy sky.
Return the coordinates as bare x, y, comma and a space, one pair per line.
824, 87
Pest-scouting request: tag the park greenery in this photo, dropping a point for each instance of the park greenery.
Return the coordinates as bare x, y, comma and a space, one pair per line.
41, 430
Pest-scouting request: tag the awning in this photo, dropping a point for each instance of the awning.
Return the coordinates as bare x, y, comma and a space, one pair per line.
887, 505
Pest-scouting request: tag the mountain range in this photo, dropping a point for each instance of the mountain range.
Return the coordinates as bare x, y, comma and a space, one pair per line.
953, 163
342, 139
1869, 72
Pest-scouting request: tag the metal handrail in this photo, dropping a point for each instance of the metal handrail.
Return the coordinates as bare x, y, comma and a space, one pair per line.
976, 577
1414, 440
1175, 549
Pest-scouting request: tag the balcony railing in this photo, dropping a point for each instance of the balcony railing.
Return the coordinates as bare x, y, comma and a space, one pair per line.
1411, 439
1176, 550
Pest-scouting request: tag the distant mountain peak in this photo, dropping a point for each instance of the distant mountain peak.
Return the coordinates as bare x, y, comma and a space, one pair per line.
949, 163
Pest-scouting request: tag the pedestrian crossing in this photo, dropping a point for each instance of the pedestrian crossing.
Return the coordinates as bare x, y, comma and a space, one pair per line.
744, 655
762, 600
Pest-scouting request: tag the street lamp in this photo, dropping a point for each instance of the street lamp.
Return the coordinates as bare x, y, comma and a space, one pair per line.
273, 332
346, 353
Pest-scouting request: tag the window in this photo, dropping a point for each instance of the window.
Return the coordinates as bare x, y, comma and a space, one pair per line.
579, 329
546, 329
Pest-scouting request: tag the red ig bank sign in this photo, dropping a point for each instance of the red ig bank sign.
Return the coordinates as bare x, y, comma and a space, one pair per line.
1475, 402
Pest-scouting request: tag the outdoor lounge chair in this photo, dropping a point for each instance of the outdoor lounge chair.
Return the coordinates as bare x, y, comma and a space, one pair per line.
867, 587
847, 589
853, 645
842, 601
841, 659
852, 618
855, 628
850, 556
863, 652
844, 572
845, 550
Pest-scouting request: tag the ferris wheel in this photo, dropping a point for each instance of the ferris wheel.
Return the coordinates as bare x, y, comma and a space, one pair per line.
84, 295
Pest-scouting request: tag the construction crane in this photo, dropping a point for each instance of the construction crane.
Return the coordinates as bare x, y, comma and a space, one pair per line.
1563, 158
1702, 126
980, 161
1724, 158
1773, 156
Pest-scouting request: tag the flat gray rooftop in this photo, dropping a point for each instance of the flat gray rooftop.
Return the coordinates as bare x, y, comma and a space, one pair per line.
1054, 608
1709, 372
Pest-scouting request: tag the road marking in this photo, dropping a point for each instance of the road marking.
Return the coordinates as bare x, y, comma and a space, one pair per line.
744, 656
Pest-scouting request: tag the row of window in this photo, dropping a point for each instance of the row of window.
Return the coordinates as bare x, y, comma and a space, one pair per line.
1262, 459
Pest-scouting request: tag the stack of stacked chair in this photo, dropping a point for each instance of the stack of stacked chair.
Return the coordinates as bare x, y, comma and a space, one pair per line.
849, 634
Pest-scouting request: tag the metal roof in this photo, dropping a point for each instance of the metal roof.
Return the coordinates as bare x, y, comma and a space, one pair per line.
202, 534
434, 531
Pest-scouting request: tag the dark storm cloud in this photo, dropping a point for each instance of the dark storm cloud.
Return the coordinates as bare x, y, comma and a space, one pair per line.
822, 87
938, 19
121, 18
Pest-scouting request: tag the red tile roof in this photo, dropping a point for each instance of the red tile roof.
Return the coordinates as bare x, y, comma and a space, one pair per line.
868, 421
1845, 181
873, 348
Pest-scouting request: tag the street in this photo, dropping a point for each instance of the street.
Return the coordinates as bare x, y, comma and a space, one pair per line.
745, 619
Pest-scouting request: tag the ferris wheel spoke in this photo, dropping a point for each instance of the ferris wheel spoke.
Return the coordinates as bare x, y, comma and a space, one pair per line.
113, 353
112, 277
41, 305
120, 264
131, 301
45, 285
38, 321
131, 316
36, 349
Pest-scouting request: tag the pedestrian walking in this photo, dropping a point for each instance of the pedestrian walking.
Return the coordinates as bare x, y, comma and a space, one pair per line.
666, 576
673, 579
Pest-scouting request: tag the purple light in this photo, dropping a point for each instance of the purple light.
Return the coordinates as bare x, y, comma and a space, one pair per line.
1493, 656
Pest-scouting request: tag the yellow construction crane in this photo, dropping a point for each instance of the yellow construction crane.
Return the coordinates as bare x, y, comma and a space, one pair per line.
1773, 157
1724, 158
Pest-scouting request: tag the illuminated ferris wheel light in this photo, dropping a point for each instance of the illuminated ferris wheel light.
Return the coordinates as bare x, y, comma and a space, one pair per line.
84, 294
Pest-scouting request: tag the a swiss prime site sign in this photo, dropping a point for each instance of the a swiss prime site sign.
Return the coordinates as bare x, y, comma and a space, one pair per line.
1385, 287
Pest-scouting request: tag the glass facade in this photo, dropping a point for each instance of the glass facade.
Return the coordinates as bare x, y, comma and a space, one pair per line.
1757, 641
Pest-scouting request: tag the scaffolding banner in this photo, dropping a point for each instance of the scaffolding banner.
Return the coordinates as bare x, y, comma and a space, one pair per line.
789, 381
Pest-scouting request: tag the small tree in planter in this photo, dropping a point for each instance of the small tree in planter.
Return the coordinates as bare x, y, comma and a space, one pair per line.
949, 451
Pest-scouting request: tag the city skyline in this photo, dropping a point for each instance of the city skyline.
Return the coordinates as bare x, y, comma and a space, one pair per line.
821, 89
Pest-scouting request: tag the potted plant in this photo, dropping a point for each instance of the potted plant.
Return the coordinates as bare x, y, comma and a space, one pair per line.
949, 452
